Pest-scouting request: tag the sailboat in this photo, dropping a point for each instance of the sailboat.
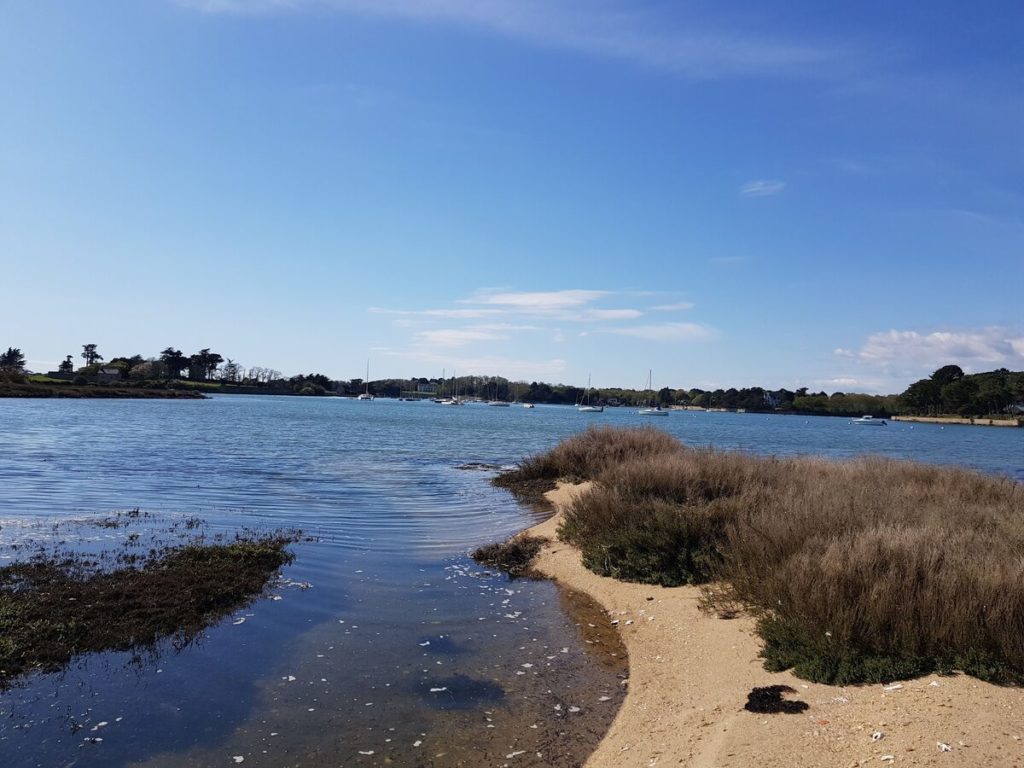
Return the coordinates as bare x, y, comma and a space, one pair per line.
366, 395
652, 410
454, 399
496, 403
584, 406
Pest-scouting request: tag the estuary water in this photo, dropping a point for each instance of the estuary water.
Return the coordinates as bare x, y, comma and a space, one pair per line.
383, 644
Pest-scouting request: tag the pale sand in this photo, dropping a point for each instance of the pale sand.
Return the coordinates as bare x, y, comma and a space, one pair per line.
690, 674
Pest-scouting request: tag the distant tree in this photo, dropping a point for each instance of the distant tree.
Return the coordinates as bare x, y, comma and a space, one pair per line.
921, 396
699, 398
231, 372
90, 354
174, 362
143, 371
203, 364
131, 362
957, 394
67, 366
993, 395
12, 361
947, 374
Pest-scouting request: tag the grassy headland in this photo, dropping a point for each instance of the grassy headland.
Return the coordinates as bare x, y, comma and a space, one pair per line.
26, 387
857, 571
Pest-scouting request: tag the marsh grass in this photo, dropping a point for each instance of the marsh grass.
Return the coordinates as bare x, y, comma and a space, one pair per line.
864, 570
583, 457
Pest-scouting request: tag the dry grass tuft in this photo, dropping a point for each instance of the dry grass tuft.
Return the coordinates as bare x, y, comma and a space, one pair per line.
583, 457
586, 455
865, 570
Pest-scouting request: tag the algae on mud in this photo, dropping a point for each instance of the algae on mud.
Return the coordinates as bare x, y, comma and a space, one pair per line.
56, 606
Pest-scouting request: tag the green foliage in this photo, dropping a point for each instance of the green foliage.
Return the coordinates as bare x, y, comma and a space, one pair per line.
950, 391
12, 361
174, 362
651, 542
203, 364
814, 656
90, 354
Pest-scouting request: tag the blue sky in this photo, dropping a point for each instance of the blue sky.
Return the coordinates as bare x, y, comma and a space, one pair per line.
821, 195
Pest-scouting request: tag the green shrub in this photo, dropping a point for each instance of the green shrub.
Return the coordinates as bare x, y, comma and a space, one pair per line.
644, 539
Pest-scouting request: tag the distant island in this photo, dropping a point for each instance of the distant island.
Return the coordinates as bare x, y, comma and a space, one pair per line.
947, 393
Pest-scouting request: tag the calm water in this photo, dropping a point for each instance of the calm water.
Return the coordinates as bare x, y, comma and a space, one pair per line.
401, 651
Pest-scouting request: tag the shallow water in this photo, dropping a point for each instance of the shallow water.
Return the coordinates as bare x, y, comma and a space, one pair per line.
386, 638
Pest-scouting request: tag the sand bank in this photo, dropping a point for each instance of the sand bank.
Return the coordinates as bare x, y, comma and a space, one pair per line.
691, 675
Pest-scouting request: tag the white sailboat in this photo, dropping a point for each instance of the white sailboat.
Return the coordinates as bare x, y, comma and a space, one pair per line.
496, 403
584, 406
366, 394
454, 399
652, 410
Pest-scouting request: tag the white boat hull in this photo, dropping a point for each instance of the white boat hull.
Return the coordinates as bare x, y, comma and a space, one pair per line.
868, 421
652, 412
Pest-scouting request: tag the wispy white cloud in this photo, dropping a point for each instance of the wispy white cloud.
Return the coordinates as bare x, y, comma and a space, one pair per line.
456, 337
695, 48
472, 337
968, 348
538, 300
762, 188
669, 332
612, 314
515, 368
679, 306
890, 360
850, 383
461, 314
569, 305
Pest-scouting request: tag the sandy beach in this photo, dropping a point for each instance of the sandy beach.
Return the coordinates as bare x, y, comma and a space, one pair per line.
691, 674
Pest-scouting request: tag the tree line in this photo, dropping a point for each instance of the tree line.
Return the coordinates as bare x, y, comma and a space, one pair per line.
948, 391
951, 391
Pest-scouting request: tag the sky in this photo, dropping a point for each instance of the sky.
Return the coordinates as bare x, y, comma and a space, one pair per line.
827, 195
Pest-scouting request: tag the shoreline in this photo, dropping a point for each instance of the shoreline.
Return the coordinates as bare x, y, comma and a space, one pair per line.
690, 675
969, 421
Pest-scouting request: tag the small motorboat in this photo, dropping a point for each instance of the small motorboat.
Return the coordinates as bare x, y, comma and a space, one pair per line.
870, 421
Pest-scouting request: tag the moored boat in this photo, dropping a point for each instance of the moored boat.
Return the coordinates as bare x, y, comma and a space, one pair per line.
870, 421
